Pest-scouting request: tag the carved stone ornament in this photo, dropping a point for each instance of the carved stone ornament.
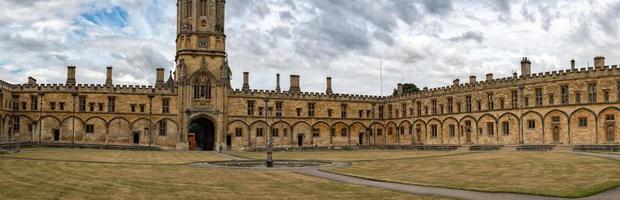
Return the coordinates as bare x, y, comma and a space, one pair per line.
187, 26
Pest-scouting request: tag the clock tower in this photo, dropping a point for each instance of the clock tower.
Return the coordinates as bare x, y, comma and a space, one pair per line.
202, 72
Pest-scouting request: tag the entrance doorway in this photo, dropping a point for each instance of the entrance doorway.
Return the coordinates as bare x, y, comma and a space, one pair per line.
418, 134
556, 134
56, 134
228, 141
136, 137
205, 133
361, 139
300, 140
610, 133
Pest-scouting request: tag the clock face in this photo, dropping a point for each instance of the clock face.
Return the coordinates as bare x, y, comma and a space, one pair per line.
202, 43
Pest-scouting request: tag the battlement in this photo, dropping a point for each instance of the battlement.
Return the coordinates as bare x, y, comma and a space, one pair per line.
303, 95
568, 74
4, 84
94, 88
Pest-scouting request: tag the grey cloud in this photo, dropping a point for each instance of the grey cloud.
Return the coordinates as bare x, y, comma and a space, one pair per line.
281, 32
406, 11
545, 11
440, 7
384, 36
608, 20
503, 8
469, 35
286, 15
59, 57
500, 5
142, 60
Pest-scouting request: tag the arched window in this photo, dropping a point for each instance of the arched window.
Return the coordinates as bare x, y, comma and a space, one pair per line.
203, 7
197, 90
202, 88
188, 8
208, 91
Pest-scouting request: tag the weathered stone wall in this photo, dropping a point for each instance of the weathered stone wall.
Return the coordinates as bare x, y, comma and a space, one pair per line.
552, 120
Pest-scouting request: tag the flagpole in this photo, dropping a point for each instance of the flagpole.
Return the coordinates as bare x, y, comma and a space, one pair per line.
381, 75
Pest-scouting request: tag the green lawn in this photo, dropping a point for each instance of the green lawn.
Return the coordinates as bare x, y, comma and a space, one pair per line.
358, 155
609, 152
117, 156
541, 173
66, 178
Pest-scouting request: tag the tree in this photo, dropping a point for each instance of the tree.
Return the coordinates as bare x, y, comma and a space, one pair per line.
408, 88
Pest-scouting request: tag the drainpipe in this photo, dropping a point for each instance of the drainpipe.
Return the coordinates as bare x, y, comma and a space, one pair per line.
268, 128
521, 115
151, 119
74, 94
40, 115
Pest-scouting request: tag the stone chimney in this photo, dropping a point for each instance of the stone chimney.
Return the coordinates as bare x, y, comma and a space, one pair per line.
329, 86
599, 61
526, 67
246, 81
400, 90
32, 81
294, 86
489, 76
456, 82
472, 79
572, 64
108, 75
70, 75
159, 79
278, 83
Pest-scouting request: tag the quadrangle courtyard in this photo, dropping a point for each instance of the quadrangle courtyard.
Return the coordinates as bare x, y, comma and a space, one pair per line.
46, 173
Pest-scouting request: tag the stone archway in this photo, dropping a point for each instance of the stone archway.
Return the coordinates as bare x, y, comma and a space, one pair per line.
556, 134
610, 133
204, 130
360, 139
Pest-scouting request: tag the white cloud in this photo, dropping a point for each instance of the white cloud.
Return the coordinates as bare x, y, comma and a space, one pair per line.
422, 42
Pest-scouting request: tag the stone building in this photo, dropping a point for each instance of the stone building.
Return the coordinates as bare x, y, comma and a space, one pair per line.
567, 107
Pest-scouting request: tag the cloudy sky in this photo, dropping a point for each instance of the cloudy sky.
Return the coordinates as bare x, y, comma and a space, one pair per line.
427, 42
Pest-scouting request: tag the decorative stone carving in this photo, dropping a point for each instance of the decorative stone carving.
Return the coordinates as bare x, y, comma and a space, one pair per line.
187, 26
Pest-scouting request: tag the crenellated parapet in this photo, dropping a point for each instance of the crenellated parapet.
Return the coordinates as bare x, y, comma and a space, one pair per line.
6, 85
533, 79
304, 95
94, 88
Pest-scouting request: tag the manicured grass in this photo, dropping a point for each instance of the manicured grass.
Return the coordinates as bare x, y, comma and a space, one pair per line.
65, 178
554, 174
151, 157
609, 152
357, 155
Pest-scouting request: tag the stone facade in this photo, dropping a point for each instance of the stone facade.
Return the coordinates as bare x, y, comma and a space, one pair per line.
573, 106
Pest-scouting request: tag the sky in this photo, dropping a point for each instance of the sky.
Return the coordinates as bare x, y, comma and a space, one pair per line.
357, 42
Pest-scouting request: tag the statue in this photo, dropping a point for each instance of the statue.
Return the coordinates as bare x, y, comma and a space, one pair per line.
187, 27
269, 162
